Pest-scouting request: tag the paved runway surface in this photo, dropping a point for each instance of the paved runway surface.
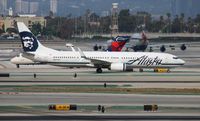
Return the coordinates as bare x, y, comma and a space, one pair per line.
27, 99
95, 99
187, 76
102, 117
178, 78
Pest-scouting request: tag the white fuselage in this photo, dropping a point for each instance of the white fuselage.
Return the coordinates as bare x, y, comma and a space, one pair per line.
50, 56
132, 59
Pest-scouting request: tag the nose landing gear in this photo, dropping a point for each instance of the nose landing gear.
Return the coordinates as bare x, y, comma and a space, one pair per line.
99, 70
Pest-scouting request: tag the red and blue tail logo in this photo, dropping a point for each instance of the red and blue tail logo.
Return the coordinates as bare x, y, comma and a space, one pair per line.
118, 43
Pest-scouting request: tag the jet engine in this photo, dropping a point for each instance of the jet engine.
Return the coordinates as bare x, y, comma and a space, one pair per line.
120, 67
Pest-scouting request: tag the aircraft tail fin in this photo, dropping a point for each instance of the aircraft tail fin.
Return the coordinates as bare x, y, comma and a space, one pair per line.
29, 41
118, 43
144, 36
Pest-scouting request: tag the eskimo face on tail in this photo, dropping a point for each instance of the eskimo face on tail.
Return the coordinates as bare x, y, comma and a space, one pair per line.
29, 42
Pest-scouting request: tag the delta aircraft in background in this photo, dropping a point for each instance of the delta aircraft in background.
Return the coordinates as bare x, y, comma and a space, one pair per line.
116, 61
140, 42
137, 42
115, 44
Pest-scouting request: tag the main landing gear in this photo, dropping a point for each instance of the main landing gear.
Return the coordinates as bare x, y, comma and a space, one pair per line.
141, 70
99, 70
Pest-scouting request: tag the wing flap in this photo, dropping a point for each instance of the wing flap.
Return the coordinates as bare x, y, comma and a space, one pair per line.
95, 62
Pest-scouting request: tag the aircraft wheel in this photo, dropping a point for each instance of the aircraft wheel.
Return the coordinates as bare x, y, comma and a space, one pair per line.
151, 49
17, 65
99, 70
183, 47
162, 48
95, 48
141, 70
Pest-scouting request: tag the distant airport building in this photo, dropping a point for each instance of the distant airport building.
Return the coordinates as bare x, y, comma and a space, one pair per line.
53, 6
26, 7
114, 18
3, 7
1, 24
29, 20
34, 7
10, 12
18, 6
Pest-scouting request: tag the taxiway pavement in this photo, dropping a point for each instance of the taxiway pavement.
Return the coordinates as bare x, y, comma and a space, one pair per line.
187, 76
99, 98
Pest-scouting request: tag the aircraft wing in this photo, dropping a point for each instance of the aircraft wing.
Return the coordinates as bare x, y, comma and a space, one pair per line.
167, 44
95, 62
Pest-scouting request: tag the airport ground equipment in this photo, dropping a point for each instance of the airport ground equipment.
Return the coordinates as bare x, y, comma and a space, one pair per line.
150, 107
161, 70
62, 107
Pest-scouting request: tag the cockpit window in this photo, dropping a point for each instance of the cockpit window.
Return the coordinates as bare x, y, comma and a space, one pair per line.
175, 58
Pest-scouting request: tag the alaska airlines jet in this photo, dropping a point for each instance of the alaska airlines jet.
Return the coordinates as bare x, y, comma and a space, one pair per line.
139, 42
117, 61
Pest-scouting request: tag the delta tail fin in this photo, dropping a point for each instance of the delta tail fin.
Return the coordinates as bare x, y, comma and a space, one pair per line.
118, 43
29, 41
